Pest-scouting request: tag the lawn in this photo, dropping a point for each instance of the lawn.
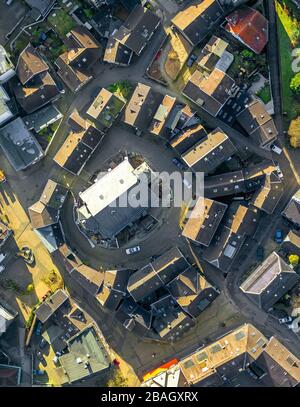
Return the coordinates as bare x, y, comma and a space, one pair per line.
61, 21
265, 94
288, 27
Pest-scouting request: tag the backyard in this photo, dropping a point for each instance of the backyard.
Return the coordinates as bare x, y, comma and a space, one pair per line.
288, 26
61, 21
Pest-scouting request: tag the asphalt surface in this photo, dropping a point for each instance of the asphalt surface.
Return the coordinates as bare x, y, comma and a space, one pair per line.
28, 186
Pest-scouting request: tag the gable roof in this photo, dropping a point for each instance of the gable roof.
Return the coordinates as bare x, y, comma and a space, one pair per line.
204, 220
210, 91
113, 289
137, 29
79, 144
36, 93
156, 274
105, 108
192, 292
270, 280
142, 106
292, 210
250, 27
74, 65
117, 53
267, 197
188, 138
210, 152
258, 123
195, 21
30, 64
161, 115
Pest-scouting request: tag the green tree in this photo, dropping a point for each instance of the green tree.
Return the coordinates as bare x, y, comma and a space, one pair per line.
294, 260
295, 84
117, 379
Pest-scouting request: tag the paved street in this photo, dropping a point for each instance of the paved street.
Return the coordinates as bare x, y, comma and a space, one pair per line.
232, 305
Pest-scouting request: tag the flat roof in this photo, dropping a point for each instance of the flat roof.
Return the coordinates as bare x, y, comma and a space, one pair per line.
107, 189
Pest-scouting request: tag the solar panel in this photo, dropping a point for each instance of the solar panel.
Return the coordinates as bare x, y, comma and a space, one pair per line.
239, 335
216, 348
202, 356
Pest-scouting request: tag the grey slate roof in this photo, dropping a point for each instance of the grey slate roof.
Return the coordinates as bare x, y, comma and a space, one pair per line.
20, 146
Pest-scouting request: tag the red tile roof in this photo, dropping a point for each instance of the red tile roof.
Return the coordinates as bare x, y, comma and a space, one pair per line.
250, 27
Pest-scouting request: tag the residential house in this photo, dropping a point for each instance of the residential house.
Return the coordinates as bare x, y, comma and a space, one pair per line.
198, 19
19, 145
35, 86
209, 91
250, 27
136, 319
45, 214
169, 320
210, 152
236, 182
117, 53
257, 122
90, 279
102, 211
268, 196
161, 116
113, 289
156, 274
187, 138
6, 66
215, 55
239, 223
291, 243
80, 144
42, 118
86, 356
75, 65
203, 221
292, 210
51, 305
270, 281
243, 357
142, 107
137, 30
105, 108
192, 292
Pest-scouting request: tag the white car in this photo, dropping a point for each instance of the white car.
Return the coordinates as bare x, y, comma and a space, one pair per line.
285, 320
133, 250
279, 172
276, 149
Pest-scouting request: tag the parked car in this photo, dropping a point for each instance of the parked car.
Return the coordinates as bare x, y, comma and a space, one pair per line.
191, 60
133, 250
38, 329
43, 343
279, 172
38, 372
285, 320
278, 236
276, 149
40, 355
178, 163
260, 251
